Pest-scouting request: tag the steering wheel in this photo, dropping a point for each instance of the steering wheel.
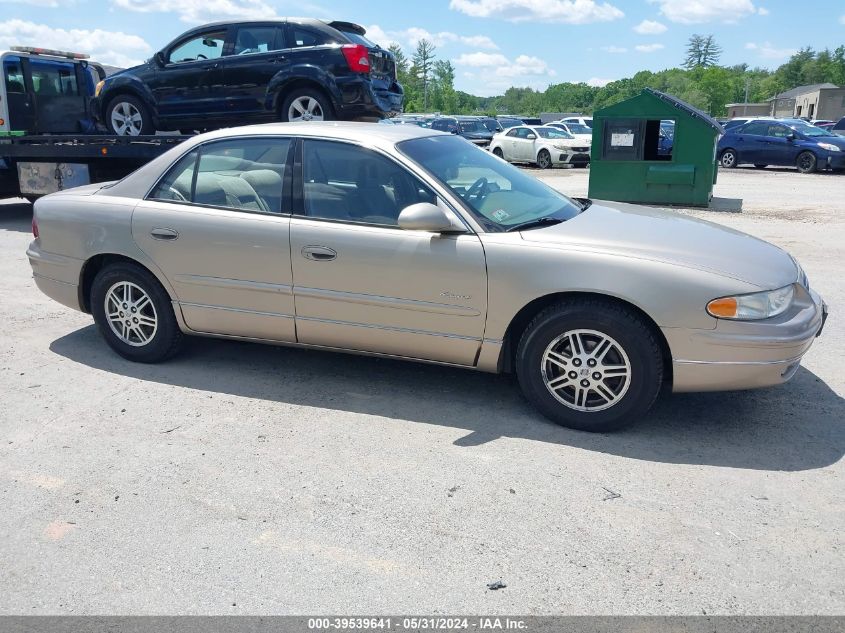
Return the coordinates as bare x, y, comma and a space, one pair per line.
201, 56
478, 189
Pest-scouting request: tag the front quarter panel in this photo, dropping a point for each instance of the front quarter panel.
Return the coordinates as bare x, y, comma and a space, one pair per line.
673, 296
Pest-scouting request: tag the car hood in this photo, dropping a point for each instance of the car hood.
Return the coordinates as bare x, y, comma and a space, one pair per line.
633, 231
833, 140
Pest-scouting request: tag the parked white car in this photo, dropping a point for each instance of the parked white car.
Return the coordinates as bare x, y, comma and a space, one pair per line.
581, 133
543, 145
580, 120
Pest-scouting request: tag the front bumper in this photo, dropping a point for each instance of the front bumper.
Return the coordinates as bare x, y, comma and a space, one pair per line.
746, 355
835, 160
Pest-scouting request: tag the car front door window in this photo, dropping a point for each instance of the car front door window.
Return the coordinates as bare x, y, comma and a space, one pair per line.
198, 48
352, 184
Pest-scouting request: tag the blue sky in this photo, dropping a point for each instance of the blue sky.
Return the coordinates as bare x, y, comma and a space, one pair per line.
493, 43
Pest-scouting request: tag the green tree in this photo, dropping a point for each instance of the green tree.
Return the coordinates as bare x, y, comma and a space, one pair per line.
702, 52
423, 64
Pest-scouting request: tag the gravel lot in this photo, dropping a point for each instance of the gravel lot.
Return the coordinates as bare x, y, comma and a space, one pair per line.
247, 479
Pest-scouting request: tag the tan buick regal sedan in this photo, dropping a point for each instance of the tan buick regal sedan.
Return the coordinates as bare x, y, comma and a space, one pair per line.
409, 243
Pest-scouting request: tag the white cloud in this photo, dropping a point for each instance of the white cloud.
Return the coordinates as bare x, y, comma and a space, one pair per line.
648, 48
199, 11
523, 66
109, 47
409, 37
50, 4
481, 60
842, 19
566, 11
595, 82
699, 11
767, 51
614, 49
650, 27
763, 11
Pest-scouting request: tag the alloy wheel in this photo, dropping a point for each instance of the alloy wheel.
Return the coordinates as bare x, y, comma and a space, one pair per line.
126, 120
131, 314
305, 108
586, 370
728, 159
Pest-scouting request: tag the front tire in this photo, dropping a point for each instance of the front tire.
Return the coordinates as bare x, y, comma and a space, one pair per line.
729, 159
806, 162
544, 159
497, 151
306, 105
134, 314
126, 115
590, 364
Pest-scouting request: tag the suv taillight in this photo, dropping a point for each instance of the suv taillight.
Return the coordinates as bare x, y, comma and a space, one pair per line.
34, 226
357, 56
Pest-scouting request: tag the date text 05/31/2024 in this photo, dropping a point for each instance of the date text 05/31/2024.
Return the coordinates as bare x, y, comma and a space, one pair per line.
417, 624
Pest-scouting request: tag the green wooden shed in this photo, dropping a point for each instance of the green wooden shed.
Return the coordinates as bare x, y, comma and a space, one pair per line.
654, 149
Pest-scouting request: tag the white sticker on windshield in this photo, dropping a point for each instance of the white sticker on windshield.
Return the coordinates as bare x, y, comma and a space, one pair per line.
500, 215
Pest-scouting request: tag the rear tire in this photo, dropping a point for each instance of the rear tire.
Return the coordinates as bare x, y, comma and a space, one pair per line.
306, 104
806, 162
134, 314
126, 115
616, 362
729, 159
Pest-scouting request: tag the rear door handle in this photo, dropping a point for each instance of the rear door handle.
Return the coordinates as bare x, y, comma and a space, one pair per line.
319, 253
164, 234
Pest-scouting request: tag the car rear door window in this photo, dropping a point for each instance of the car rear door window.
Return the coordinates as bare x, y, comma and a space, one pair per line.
240, 174
348, 183
258, 39
758, 128
779, 131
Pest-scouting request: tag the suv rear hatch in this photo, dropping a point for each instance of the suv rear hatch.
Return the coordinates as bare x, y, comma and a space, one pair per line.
382, 63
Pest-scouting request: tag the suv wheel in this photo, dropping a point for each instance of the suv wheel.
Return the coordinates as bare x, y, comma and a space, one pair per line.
306, 105
806, 162
134, 314
127, 116
590, 365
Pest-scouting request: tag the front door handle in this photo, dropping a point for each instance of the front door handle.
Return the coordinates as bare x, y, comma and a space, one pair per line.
319, 253
164, 234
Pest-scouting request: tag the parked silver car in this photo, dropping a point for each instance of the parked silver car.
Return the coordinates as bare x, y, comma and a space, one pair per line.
406, 242
541, 145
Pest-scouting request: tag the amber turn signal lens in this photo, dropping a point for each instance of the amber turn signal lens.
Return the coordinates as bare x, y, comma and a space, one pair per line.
725, 307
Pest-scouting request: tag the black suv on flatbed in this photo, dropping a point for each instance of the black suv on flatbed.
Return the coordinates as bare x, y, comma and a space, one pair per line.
235, 73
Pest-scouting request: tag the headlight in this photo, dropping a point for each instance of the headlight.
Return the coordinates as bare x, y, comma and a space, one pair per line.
829, 147
98, 88
560, 146
759, 305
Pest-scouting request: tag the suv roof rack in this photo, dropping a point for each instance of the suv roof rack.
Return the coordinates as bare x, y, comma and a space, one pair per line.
33, 50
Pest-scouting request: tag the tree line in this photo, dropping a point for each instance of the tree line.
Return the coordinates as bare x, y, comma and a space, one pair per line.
429, 83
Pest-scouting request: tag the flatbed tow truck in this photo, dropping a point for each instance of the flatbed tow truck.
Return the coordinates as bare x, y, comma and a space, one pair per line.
49, 139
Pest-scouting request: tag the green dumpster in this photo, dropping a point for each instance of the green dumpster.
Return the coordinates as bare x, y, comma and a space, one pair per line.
654, 149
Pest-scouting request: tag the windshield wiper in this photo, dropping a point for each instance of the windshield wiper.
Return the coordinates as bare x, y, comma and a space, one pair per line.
584, 203
533, 224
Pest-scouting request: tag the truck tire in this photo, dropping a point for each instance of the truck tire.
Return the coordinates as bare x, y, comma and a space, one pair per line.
126, 115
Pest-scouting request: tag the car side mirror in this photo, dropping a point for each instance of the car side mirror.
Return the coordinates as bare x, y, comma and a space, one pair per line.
531, 137
424, 216
159, 59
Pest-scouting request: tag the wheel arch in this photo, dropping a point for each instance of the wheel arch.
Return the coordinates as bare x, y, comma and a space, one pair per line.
96, 263
282, 90
127, 89
523, 317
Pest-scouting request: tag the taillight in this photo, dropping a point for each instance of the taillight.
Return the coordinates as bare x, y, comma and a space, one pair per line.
357, 56
34, 226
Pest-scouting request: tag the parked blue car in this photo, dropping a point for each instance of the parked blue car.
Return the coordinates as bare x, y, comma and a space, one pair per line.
786, 142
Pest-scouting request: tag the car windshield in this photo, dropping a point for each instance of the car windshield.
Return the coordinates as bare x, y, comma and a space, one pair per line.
809, 130
552, 132
472, 126
492, 125
577, 128
499, 195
